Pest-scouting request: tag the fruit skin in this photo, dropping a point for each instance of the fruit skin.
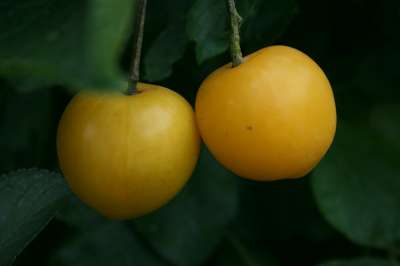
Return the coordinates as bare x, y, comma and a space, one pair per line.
272, 117
128, 155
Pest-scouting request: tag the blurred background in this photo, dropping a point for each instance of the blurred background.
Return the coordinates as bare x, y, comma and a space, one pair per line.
345, 213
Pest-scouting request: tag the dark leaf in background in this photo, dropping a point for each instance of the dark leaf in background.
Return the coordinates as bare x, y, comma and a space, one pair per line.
360, 262
207, 26
166, 50
236, 252
28, 200
357, 187
377, 74
79, 216
170, 41
265, 21
108, 244
273, 212
390, 18
385, 119
25, 128
189, 228
98, 241
74, 43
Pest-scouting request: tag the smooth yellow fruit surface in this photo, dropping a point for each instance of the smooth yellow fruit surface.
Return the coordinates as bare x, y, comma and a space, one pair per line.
128, 155
272, 117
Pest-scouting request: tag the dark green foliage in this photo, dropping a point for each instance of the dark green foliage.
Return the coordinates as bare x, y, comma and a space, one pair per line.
166, 50
26, 128
28, 200
361, 262
362, 202
346, 213
105, 245
236, 252
98, 241
74, 43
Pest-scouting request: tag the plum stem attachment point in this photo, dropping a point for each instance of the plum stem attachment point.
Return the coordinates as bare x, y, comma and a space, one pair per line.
235, 21
134, 73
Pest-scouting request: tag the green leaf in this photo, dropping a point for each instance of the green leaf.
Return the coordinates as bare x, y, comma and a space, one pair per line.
265, 21
74, 43
168, 35
357, 187
28, 201
98, 241
190, 227
108, 244
80, 216
166, 50
360, 262
207, 25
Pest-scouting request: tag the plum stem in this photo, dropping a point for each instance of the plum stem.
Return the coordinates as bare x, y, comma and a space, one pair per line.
134, 73
235, 21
